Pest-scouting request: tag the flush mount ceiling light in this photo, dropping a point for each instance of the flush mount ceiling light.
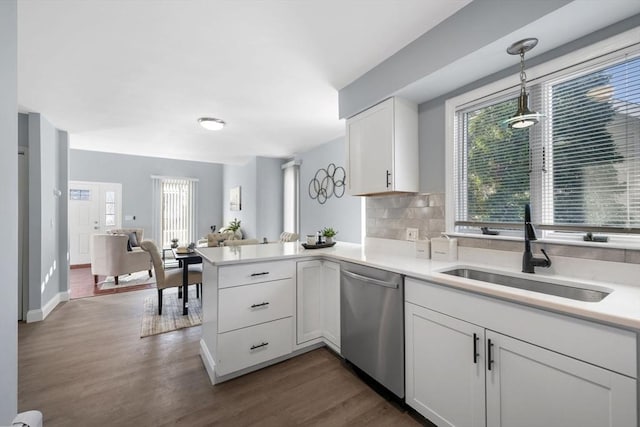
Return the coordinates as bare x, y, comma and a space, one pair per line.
524, 117
211, 123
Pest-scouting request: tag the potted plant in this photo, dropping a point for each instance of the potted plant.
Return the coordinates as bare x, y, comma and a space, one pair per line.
234, 226
328, 234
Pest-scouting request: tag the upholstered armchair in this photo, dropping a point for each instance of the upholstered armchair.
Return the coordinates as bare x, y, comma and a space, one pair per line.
139, 232
216, 239
288, 237
110, 257
239, 242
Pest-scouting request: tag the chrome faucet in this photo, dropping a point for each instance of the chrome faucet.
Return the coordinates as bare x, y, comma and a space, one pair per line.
529, 262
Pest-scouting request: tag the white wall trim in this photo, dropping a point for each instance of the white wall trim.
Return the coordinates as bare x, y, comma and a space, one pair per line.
38, 315
34, 316
207, 360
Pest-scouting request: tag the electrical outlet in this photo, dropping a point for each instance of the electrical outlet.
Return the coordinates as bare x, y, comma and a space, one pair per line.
412, 234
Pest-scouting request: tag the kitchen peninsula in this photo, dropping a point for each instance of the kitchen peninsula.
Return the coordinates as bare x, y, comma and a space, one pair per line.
252, 316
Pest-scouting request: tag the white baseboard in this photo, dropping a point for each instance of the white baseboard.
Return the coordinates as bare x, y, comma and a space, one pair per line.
38, 315
34, 316
207, 359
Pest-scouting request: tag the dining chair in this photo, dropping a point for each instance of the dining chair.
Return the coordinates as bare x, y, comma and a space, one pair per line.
169, 278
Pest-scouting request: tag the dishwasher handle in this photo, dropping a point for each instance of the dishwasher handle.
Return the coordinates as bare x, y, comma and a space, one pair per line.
371, 280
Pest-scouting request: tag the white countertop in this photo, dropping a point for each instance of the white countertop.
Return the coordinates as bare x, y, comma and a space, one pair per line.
621, 307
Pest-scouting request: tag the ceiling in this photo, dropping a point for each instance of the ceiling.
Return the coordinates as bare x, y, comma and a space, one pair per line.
133, 76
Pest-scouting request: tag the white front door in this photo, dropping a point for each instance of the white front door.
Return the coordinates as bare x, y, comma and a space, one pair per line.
94, 207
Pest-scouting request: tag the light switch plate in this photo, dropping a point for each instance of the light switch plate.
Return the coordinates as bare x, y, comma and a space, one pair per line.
412, 234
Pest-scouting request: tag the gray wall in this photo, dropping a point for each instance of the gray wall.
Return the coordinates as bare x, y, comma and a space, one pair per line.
261, 184
343, 214
431, 137
47, 222
269, 201
245, 177
9, 212
134, 173
45, 260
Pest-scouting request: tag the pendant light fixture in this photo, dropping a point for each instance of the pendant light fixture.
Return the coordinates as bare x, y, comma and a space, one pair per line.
211, 123
524, 117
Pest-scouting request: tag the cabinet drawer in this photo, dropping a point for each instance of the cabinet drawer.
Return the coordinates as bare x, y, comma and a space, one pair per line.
250, 346
245, 274
249, 305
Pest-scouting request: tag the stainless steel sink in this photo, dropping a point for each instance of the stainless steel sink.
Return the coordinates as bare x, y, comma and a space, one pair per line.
564, 291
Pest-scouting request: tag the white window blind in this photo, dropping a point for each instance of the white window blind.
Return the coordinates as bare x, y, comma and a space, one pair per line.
291, 211
593, 146
579, 168
175, 212
493, 166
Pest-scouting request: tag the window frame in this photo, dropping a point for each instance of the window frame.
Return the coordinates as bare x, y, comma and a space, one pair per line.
565, 67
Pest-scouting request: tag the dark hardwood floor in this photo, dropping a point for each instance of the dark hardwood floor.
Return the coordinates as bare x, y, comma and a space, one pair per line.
85, 365
81, 285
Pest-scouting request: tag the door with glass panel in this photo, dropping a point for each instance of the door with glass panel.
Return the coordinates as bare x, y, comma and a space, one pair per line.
94, 207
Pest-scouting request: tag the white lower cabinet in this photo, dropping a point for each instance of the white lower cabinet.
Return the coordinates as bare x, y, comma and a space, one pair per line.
318, 302
461, 374
529, 386
249, 319
444, 374
309, 307
331, 303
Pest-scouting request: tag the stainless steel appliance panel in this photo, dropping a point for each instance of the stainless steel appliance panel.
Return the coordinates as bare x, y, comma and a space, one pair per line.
372, 323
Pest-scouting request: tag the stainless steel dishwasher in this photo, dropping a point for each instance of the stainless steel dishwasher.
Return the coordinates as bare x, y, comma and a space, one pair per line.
372, 323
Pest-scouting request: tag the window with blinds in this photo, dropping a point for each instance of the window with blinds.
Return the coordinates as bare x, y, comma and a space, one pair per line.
175, 210
579, 168
492, 171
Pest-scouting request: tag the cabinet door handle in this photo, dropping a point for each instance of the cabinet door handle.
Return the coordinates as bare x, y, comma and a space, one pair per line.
475, 348
489, 355
259, 274
262, 304
262, 344
388, 179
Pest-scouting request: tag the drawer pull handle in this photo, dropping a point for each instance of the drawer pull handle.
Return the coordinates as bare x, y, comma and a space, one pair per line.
475, 348
259, 274
262, 304
490, 357
263, 344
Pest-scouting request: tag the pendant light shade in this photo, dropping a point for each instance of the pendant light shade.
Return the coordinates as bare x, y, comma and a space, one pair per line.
524, 117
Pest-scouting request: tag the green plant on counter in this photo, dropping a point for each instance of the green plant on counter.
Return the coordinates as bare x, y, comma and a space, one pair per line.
234, 225
329, 232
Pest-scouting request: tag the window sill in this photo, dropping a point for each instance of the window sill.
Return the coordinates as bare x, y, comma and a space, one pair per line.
611, 244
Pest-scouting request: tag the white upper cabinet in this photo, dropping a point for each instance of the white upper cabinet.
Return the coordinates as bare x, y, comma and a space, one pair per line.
382, 149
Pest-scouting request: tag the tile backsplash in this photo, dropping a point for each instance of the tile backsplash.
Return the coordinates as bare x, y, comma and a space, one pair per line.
388, 217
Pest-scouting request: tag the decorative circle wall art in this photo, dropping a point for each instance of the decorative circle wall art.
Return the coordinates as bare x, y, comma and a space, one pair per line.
327, 182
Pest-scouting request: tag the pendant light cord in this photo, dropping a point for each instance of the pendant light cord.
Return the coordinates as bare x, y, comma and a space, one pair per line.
523, 75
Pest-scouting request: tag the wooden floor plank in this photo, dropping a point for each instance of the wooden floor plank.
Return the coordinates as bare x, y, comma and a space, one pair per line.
86, 365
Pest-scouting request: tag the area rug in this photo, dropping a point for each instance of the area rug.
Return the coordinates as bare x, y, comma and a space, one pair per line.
171, 318
133, 279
